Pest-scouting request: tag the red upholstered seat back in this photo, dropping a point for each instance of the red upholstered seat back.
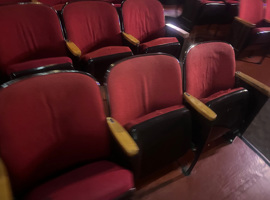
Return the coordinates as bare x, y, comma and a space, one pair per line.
209, 68
12, 1
50, 123
144, 84
267, 10
53, 2
143, 19
251, 10
29, 31
92, 25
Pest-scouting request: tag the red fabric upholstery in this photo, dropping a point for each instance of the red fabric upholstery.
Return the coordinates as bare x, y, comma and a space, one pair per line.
37, 63
88, 28
2, 2
152, 90
143, 19
100, 180
211, 1
251, 10
158, 41
156, 113
219, 94
105, 51
267, 10
209, 68
58, 7
29, 32
50, 124
54, 2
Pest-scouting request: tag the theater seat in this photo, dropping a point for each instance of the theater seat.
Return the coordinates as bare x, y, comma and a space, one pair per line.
250, 29
145, 96
93, 32
145, 29
55, 142
31, 37
210, 76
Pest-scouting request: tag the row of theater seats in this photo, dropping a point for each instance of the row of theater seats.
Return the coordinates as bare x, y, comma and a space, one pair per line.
33, 37
56, 4
54, 135
252, 27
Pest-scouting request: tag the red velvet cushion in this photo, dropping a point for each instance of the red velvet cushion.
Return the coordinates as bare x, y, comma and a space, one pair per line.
158, 41
92, 25
141, 85
50, 123
209, 68
151, 116
58, 7
29, 31
100, 180
211, 1
251, 10
53, 2
143, 19
219, 94
12, 1
267, 10
36, 63
106, 51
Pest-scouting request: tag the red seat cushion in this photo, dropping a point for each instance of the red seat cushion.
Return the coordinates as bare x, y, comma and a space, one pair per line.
158, 41
211, 2
209, 68
49, 124
106, 51
151, 116
148, 79
32, 31
58, 7
101, 180
219, 94
143, 19
92, 25
36, 63
251, 10
53, 2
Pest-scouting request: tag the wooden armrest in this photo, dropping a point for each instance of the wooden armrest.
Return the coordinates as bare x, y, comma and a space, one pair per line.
254, 83
178, 30
35, 1
245, 22
134, 41
199, 106
5, 188
123, 138
73, 48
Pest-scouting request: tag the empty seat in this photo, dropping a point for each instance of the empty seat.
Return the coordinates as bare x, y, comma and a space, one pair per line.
250, 29
32, 39
145, 29
210, 76
93, 28
54, 140
145, 96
